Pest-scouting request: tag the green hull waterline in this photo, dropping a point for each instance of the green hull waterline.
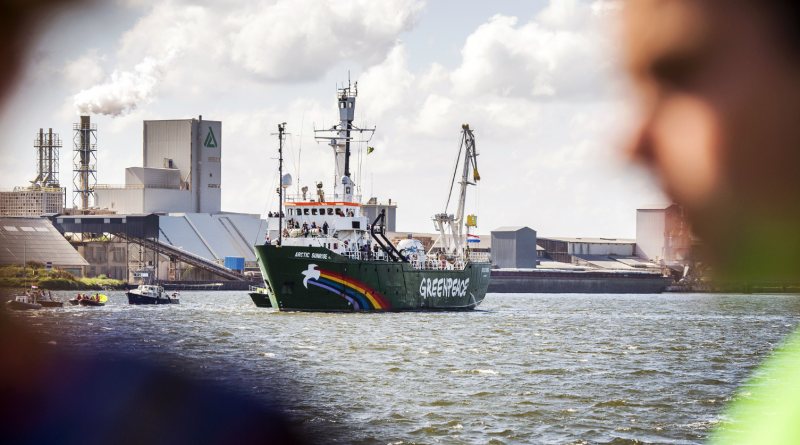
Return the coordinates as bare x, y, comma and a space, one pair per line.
316, 279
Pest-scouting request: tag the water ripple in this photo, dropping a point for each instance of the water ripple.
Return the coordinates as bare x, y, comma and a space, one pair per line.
605, 369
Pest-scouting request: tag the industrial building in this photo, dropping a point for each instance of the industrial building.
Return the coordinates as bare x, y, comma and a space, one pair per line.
662, 233
181, 171
514, 248
180, 185
567, 250
24, 238
373, 208
31, 201
45, 194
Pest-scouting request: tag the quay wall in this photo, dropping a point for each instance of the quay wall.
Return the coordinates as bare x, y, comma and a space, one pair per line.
555, 282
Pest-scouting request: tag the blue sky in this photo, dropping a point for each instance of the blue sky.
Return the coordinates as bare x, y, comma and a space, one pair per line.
537, 80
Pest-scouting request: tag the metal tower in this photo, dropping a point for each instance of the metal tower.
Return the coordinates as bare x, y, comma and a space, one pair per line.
48, 146
84, 162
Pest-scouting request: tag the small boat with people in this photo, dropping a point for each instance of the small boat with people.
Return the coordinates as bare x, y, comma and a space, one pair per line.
24, 302
46, 299
152, 294
89, 300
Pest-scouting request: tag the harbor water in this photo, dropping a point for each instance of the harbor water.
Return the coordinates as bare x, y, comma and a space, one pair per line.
520, 369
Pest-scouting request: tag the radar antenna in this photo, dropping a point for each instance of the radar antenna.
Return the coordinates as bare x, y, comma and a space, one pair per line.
340, 137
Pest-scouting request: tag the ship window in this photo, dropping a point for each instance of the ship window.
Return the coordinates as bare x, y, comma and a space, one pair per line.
305, 212
313, 211
288, 288
342, 104
356, 224
350, 105
330, 211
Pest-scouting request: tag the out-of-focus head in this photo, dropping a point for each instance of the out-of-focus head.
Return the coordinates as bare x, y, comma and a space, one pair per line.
719, 86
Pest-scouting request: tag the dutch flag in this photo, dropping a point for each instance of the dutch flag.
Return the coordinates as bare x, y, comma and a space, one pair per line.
473, 238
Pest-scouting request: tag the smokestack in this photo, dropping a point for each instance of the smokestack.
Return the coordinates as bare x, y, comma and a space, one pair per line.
50, 141
85, 173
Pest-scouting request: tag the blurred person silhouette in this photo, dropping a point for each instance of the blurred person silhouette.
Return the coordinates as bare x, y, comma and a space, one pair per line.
48, 398
718, 83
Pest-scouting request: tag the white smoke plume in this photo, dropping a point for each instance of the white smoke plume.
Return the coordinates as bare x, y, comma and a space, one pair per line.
126, 90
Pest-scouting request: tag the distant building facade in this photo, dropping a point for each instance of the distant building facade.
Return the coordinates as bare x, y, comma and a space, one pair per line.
31, 201
662, 233
27, 238
105, 257
373, 208
514, 248
564, 249
181, 171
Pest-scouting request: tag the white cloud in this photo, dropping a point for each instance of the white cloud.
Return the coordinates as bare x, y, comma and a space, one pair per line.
300, 39
543, 118
387, 85
126, 90
560, 54
273, 41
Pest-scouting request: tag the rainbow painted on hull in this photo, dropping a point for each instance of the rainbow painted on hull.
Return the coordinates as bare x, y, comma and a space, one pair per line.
359, 294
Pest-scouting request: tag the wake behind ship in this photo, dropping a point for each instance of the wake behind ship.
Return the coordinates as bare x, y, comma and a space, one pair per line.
322, 254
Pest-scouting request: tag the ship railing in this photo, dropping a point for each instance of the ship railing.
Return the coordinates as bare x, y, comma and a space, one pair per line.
367, 256
324, 198
478, 257
426, 264
435, 264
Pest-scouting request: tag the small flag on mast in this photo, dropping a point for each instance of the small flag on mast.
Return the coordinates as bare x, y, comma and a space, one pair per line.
473, 238
370, 149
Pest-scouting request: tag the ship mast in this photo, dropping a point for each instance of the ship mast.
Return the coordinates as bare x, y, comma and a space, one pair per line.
456, 223
340, 138
281, 129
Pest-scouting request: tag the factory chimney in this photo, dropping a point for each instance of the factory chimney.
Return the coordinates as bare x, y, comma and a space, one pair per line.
84, 163
47, 147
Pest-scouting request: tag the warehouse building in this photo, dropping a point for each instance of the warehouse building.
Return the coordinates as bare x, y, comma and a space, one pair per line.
373, 208
35, 239
514, 248
31, 201
662, 233
181, 171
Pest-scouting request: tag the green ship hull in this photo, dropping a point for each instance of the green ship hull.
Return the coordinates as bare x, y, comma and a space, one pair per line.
317, 279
